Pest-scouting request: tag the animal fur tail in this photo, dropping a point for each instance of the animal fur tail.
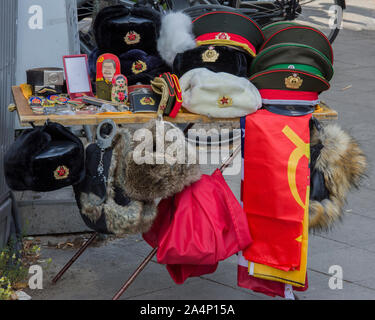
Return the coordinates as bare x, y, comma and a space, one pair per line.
343, 165
176, 36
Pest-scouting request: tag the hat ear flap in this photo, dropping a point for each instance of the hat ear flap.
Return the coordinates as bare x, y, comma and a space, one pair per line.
176, 36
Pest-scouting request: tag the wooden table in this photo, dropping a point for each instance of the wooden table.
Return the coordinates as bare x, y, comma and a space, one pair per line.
26, 115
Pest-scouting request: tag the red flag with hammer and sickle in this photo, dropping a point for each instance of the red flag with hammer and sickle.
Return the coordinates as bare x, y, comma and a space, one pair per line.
276, 187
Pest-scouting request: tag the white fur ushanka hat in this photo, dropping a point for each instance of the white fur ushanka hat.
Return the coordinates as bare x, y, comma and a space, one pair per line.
218, 94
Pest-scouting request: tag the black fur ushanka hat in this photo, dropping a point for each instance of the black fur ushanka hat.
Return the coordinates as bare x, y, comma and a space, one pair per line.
215, 58
45, 158
118, 29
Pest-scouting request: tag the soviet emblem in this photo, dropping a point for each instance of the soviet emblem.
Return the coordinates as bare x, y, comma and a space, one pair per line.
224, 101
139, 66
132, 37
62, 172
210, 55
293, 81
222, 36
147, 101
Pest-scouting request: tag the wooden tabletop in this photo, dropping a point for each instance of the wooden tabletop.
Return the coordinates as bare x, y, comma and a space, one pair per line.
26, 115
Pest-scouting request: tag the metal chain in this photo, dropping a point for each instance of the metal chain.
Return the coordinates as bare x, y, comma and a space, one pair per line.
101, 167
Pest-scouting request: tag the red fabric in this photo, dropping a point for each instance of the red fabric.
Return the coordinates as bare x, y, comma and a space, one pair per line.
273, 94
274, 216
199, 227
269, 288
178, 93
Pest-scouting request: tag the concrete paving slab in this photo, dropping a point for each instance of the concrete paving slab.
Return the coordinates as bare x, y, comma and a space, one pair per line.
356, 263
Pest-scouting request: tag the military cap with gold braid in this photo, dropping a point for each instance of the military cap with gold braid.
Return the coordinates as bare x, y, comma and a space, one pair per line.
228, 28
294, 64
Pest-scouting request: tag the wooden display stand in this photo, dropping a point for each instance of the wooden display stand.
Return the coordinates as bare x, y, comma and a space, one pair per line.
26, 115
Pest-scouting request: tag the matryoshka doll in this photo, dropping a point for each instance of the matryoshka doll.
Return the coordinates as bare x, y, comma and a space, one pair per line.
120, 89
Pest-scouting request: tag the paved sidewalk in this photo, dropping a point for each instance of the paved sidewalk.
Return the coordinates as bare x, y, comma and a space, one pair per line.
100, 271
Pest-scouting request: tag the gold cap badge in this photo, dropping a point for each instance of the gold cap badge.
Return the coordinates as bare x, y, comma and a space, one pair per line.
293, 82
132, 37
139, 66
222, 36
147, 101
210, 55
224, 101
62, 172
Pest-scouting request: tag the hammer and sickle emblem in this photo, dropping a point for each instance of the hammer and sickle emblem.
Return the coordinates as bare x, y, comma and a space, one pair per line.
302, 149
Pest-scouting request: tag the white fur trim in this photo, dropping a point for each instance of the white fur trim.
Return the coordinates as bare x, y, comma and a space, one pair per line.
202, 88
176, 36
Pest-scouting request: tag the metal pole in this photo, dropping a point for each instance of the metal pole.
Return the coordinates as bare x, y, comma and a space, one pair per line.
75, 257
135, 274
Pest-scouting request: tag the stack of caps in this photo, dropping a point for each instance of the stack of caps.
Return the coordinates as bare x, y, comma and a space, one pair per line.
214, 74
226, 42
294, 65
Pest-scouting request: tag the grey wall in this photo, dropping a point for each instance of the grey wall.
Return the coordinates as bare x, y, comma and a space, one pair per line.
47, 30
8, 14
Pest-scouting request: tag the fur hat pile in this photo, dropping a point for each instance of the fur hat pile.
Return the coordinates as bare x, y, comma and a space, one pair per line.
150, 181
341, 164
126, 203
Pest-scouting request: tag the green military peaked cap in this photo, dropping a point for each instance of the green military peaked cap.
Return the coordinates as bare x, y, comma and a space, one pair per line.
293, 54
280, 77
291, 32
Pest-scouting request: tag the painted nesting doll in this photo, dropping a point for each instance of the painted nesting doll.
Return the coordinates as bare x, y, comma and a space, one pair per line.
107, 66
120, 89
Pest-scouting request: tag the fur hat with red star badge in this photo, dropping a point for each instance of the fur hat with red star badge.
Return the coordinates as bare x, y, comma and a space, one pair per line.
218, 94
118, 29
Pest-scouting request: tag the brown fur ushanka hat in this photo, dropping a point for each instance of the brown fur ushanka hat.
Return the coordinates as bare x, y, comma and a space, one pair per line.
125, 201
340, 165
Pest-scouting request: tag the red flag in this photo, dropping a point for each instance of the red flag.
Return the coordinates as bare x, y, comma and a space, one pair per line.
276, 180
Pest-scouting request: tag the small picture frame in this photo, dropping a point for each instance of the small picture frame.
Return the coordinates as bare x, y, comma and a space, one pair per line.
77, 76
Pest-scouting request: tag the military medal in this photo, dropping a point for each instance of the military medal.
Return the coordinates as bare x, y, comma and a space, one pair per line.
293, 82
210, 55
132, 37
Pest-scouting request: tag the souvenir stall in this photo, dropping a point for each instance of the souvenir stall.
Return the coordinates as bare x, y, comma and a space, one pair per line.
161, 70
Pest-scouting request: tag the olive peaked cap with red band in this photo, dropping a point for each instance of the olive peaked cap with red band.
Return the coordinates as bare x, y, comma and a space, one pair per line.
228, 28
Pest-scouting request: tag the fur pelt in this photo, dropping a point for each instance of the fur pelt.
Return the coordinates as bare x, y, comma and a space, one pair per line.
151, 181
343, 165
118, 214
176, 36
